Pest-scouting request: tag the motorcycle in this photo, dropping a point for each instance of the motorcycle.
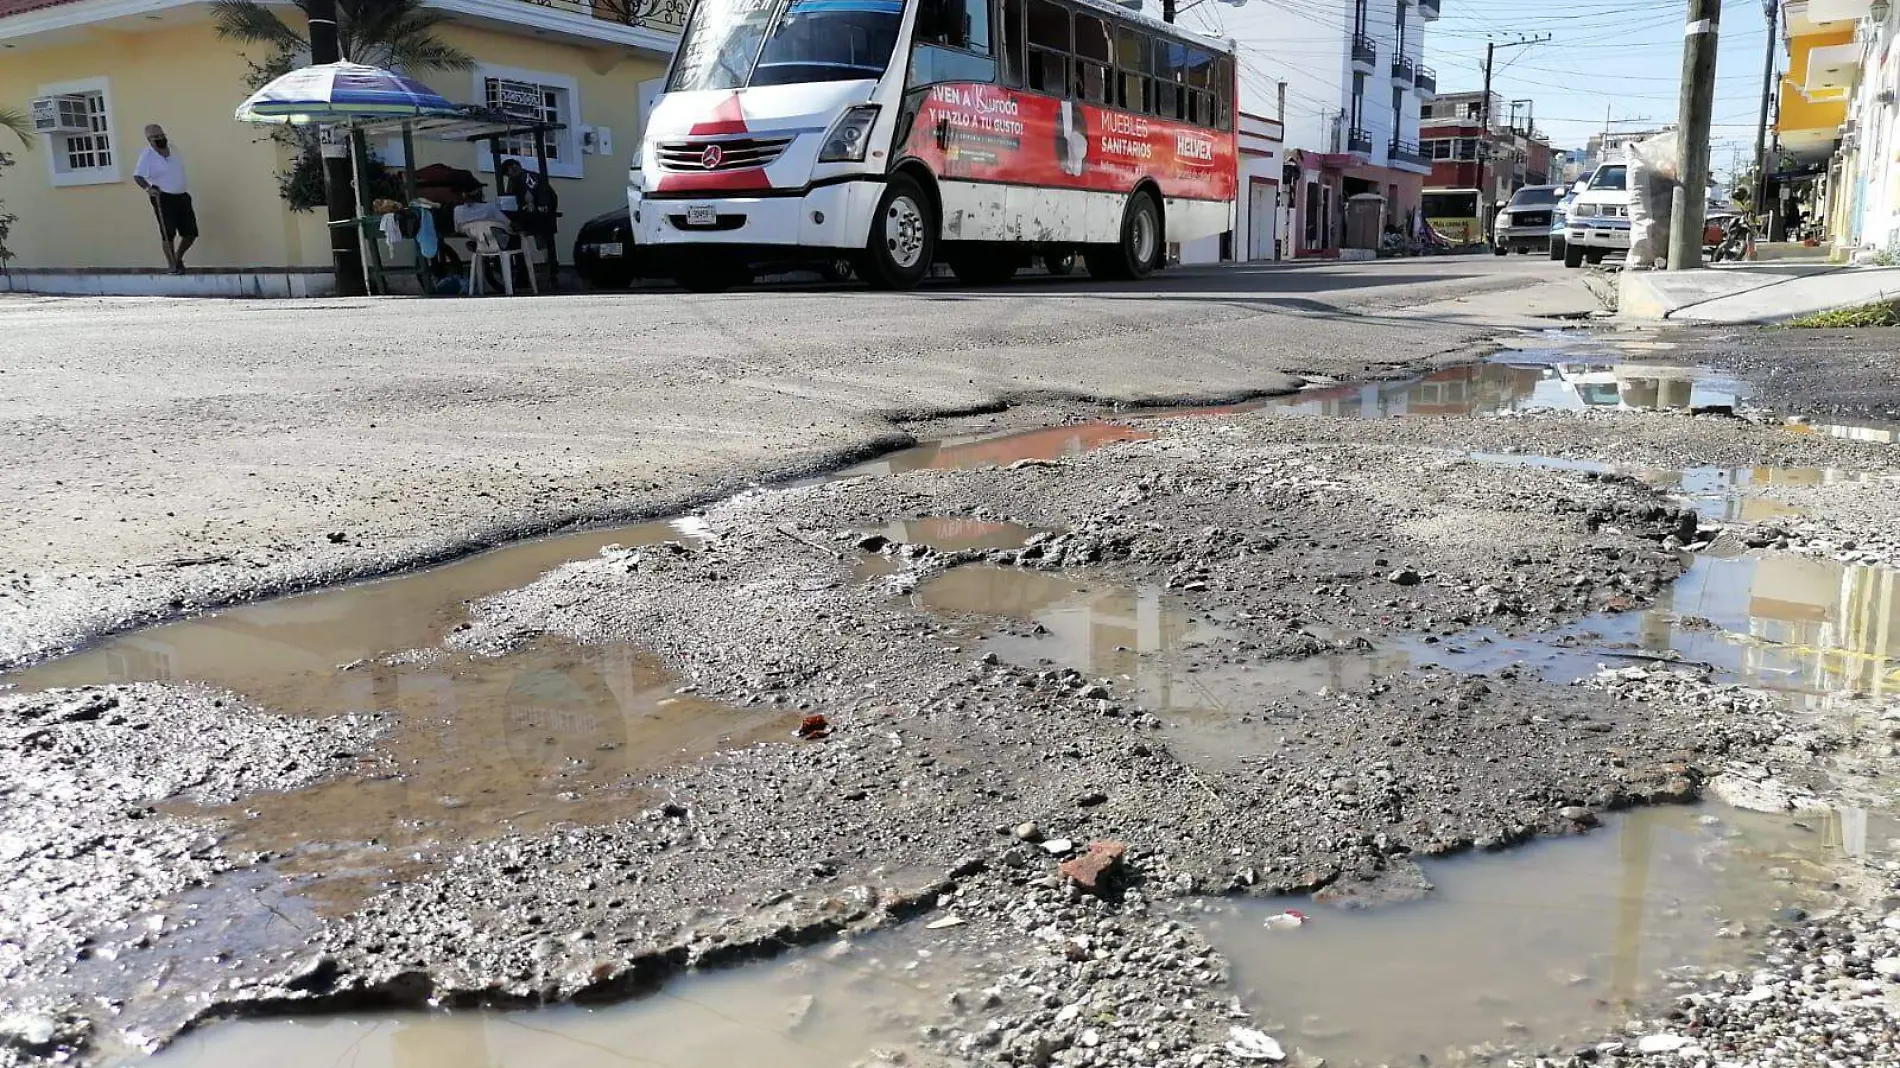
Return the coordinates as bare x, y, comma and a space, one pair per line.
1738, 236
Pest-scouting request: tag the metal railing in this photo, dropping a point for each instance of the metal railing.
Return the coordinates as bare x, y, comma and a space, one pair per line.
664, 16
1359, 141
1403, 70
1425, 78
1365, 50
1403, 151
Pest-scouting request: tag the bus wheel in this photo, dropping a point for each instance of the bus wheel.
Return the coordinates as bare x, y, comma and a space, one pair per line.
1139, 250
903, 237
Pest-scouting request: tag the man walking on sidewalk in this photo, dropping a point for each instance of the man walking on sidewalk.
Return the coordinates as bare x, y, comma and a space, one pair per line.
161, 173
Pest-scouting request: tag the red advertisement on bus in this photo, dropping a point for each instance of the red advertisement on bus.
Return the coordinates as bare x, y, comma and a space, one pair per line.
990, 133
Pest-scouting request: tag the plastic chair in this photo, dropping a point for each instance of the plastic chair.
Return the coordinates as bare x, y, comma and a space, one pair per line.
491, 244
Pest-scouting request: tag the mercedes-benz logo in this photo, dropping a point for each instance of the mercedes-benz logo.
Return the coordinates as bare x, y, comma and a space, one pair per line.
712, 157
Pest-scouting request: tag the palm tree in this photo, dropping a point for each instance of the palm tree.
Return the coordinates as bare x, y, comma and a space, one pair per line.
17, 122
393, 34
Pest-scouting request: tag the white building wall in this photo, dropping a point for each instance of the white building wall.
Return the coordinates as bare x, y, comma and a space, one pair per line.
1310, 49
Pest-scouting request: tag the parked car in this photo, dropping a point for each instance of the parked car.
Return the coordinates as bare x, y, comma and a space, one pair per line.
1524, 224
1600, 219
1560, 217
604, 253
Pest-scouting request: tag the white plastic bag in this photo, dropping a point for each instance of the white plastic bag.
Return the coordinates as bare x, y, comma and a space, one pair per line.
1653, 176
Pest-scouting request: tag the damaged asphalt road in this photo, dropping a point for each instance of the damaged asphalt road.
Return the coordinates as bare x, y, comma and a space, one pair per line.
166, 457
942, 736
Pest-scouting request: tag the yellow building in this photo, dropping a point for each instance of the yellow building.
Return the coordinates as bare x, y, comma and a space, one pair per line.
85, 227
1824, 57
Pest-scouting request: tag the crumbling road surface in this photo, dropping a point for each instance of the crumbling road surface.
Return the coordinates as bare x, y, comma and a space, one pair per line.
994, 742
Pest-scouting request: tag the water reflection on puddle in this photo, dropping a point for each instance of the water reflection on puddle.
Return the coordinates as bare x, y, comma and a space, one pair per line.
1550, 943
1718, 493
1510, 384
477, 746
1150, 646
996, 450
1811, 627
952, 534
817, 1009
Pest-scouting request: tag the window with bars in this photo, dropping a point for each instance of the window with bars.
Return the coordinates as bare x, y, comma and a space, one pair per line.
532, 103
79, 153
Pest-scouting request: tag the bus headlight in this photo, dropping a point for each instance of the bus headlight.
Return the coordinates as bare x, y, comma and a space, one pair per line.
849, 136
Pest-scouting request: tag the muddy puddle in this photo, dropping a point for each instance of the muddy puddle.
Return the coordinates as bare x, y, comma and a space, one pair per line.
1811, 627
1555, 943
998, 450
825, 1008
1719, 494
552, 732
1151, 647
1517, 382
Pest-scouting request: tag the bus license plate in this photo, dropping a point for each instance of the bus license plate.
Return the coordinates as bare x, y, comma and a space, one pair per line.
701, 215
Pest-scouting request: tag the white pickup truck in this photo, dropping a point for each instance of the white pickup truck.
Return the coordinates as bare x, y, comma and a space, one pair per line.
1600, 217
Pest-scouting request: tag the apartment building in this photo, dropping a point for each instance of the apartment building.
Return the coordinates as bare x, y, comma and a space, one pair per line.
1347, 79
1472, 146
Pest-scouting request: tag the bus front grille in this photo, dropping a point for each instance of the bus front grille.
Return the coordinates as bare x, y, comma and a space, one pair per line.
721, 155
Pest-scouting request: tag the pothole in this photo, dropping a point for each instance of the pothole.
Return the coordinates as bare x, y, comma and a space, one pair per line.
1548, 946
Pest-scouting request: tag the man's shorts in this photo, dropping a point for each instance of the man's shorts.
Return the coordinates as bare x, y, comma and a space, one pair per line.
176, 216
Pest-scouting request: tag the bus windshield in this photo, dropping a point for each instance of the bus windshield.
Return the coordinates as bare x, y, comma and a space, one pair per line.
731, 44
1463, 205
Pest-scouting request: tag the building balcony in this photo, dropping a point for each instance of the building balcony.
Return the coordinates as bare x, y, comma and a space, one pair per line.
1404, 71
1359, 142
1426, 80
1428, 10
1365, 54
662, 16
1406, 153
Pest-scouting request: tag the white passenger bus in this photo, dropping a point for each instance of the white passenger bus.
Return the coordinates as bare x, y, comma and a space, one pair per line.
896, 133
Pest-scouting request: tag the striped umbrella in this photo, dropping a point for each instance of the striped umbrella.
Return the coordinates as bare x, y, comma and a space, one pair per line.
341, 92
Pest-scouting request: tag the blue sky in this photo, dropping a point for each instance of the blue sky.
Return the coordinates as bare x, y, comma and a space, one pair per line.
1623, 55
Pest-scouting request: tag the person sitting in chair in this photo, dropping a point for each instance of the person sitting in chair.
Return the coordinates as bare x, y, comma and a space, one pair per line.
475, 208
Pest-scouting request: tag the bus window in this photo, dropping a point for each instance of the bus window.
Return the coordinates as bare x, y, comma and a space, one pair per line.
952, 43
1132, 52
1009, 41
1091, 39
1171, 61
963, 24
1166, 98
1199, 71
1048, 37
1133, 95
1224, 92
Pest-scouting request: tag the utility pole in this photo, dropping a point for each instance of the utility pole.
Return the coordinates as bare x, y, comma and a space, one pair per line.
1484, 111
1689, 213
346, 252
1759, 194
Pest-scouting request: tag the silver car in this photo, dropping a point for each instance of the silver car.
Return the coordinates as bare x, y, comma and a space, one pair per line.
1524, 224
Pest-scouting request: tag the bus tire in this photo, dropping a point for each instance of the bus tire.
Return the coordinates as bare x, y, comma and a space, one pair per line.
1140, 248
903, 237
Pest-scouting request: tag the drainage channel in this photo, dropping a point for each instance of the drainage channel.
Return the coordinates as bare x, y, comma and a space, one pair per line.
555, 732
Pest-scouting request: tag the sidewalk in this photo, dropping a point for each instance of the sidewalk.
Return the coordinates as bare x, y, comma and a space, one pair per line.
1746, 293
